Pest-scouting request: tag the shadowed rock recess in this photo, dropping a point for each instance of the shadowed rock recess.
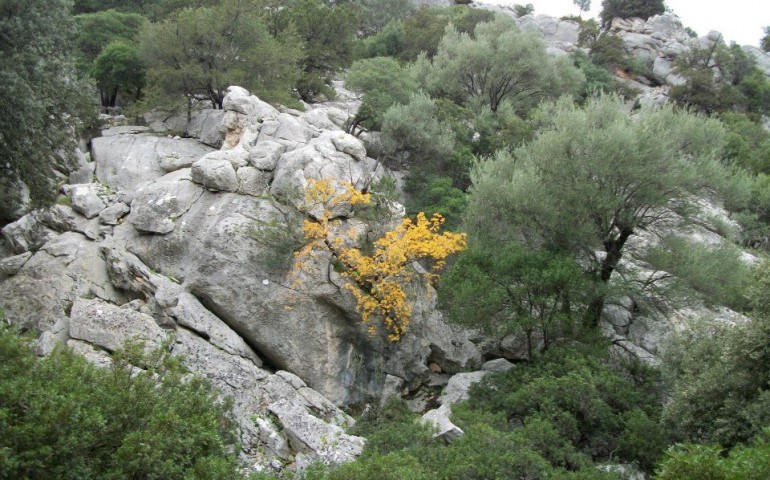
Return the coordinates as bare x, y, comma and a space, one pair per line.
176, 242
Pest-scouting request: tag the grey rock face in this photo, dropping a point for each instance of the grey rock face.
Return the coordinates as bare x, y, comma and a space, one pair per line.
206, 127
497, 365
458, 387
108, 326
12, 265
215, 174
557, 34
126, 162
43, 291
190, 261
265, 155
307, 433
112, 214
189, 313
438, 418
157, 207
85, 199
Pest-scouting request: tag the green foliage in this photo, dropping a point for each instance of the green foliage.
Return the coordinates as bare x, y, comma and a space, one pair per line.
748, 143
592, 178
719, 377
583, 5
592, 411
97, 30
43, 98
764, 43
720, 79
118, 68
598, 81
415, 128
643, 9
500, 62
717, 273
383, 83
521, 10
198, 53
709, 462
327, 35
551, 419
376, 14
435, 194
90, 6
505, 288
63, 418
279, 241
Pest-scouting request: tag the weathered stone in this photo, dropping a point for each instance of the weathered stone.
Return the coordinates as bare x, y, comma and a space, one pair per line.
458, 387
239, 100
95, 356
497, 365
69, 266
349, 144
112, 214
26, 234
286, 130
127, 162
306, 433
49, 339
85, 199
127, 272
156, 207
319, 118
391, 387
438, 418
12, 265
108, 326
265, 155
191, 314
252, 181
124, 130
215, 174
206, 126
83, 170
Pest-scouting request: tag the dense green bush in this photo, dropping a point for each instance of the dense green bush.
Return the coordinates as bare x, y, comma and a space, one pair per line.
710, 462
63, 418
717, 273
643, 9
719, 377
553, 419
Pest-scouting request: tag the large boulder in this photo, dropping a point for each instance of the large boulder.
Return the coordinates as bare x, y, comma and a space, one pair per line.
126, 162
206, 127
44, 289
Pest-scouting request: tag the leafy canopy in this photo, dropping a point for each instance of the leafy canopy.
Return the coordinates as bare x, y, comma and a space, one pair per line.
593, 177
198, 53
499, 62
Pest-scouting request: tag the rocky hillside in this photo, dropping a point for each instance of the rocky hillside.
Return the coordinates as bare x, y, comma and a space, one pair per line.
187, 242
165, 241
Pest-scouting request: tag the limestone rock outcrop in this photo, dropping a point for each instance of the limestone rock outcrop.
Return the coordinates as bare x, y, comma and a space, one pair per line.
175, 244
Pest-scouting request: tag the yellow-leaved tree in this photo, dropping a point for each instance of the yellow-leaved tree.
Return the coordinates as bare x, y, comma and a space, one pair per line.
378, 280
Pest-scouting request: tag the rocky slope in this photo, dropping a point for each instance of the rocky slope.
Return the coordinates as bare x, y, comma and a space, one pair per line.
165, 244
172, 241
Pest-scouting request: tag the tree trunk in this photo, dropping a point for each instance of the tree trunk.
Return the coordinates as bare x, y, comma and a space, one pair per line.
613, 248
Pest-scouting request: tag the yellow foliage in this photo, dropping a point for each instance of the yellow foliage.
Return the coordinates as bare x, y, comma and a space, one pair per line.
378, 280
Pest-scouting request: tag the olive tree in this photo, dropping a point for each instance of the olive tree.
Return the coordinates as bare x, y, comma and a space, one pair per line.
498, 62
198, 53
593, 178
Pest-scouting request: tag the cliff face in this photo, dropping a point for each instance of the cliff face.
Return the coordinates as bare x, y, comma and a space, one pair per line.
173, 239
